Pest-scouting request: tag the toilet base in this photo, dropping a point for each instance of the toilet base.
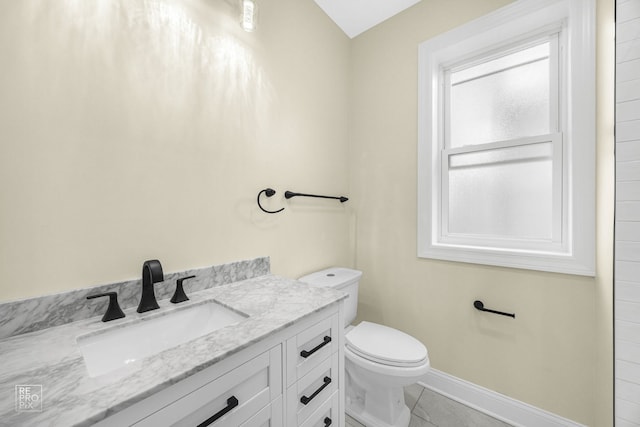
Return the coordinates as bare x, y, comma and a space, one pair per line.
375, 405
358, 413
375, 390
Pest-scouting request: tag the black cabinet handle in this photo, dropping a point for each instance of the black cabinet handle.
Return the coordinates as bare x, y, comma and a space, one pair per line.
327, 422
304, 399
232, 402
307, 353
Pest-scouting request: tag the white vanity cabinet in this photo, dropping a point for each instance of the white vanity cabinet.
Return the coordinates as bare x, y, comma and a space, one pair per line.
314, 372
293, 378
235, 396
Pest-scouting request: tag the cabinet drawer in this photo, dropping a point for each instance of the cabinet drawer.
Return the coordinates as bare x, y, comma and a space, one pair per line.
269, 416
310, 347
328, 414
228, 400
313, 390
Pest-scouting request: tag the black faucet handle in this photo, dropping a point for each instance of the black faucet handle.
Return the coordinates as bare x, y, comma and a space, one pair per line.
179, 295
113, 310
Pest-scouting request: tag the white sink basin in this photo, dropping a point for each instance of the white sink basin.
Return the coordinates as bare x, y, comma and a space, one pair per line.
120, 347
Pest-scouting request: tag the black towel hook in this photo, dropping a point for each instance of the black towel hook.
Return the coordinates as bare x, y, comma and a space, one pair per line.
268, 192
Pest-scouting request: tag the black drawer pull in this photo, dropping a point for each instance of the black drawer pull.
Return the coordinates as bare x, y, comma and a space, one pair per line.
232, 402
325, 341
327, 422
304, 399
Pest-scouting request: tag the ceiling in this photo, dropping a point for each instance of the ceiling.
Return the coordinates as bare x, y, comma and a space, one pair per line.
357, 16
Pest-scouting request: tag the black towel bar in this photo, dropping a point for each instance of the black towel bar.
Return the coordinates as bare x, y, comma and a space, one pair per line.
480, 306
290, 194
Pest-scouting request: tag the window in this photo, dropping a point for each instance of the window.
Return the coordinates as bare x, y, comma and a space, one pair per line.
506, 170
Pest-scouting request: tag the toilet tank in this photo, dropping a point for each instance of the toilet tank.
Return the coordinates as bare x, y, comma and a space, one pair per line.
344, 279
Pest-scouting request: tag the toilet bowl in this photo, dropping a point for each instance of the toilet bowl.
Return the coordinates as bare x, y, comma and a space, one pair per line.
379, 360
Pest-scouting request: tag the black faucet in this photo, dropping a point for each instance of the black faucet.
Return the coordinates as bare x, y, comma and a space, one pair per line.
151, 273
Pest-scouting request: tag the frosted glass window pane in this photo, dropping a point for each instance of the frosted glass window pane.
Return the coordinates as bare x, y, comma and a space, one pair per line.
501, 105
510, 199
520, 57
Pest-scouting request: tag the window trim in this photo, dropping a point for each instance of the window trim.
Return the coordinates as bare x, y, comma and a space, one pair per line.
518, 21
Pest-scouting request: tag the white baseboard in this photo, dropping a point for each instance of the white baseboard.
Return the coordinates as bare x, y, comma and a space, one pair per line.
494, 404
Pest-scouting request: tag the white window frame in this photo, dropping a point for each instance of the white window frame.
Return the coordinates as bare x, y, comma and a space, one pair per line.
572, 248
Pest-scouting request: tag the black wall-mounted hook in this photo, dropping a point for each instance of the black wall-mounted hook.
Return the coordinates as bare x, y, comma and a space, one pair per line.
268, 192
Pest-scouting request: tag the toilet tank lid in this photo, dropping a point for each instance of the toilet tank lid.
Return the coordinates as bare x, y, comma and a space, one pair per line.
334, 277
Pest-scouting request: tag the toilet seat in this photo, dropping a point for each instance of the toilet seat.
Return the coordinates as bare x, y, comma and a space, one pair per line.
387, 346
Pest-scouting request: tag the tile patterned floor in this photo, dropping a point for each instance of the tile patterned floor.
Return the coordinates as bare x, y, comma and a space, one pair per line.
430, 409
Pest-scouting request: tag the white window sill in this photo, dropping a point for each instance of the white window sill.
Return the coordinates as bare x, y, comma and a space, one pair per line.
523, 259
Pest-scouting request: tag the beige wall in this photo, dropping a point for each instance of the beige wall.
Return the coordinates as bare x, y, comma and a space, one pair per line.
556, 354
140, 129
136, 129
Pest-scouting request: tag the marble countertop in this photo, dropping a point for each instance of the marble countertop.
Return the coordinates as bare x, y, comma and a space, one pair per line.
50, 358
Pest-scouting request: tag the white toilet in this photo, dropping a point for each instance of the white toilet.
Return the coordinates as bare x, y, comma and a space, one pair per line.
380, 360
